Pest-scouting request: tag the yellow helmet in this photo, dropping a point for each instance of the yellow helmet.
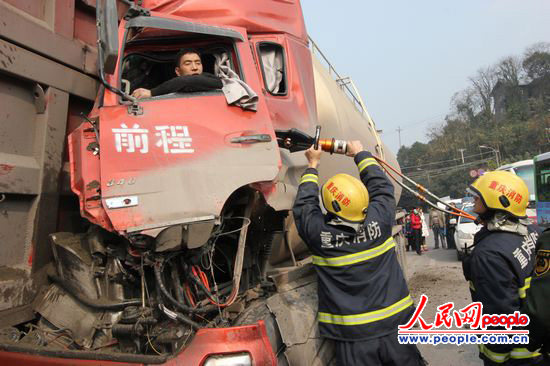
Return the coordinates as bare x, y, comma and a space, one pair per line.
346, 197
504, 191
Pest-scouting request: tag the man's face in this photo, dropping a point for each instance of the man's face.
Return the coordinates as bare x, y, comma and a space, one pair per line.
479, 207
190, 64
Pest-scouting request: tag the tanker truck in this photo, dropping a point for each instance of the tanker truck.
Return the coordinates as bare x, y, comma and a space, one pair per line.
159, 230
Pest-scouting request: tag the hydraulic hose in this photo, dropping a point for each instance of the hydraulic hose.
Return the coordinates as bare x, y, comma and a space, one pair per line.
335, 146
95, 304
455, 211
158, 276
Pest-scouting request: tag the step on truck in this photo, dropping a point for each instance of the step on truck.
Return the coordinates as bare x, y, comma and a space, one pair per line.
159, 230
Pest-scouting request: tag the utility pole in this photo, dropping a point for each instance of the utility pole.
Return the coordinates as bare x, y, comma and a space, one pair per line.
399, 129
462, 154
495, 151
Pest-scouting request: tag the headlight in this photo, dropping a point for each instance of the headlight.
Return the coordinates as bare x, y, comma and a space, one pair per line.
465, 236
235, 359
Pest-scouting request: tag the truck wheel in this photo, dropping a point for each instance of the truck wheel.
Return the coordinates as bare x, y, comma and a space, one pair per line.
259, 311
311, 351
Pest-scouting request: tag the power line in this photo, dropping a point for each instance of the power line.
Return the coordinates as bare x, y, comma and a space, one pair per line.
441, 161
442, 171
422, 121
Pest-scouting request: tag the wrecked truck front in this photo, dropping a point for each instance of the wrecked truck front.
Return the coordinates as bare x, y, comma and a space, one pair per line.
176, 158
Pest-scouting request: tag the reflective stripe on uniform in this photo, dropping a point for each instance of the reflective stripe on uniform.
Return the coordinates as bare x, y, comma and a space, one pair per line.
365, 163
519, 353
516, 353
369, 317
309, 178
355, 257
523, 290
493, 356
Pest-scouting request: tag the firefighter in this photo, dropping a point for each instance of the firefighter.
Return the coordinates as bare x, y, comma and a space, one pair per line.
363, 296
500, 266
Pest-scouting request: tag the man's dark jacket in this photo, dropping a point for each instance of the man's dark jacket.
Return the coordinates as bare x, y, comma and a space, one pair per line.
188, 84
499, 272
362, 290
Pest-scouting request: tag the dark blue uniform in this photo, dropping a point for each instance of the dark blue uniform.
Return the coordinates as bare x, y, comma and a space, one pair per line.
363, 296
499, 271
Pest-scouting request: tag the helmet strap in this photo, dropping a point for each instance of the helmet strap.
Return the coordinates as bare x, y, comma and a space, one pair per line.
487, 215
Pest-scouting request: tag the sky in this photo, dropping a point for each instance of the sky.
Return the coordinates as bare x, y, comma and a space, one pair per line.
408, 58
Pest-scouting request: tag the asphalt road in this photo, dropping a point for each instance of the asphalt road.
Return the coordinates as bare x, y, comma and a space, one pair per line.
438, 274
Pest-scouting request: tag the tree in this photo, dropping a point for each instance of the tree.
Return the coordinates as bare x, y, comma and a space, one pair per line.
522, 132
537, 61
483, 84
508, 70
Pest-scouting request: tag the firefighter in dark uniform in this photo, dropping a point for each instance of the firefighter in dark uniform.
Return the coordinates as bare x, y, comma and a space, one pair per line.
499, 268
538, 296
363, 296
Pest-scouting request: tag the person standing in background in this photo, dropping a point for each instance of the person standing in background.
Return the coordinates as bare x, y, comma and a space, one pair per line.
436, 221
450, 229
425, 230
408, 232
416, 226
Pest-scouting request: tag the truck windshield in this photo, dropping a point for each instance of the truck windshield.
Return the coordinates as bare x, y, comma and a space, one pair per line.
152, 57
149, 68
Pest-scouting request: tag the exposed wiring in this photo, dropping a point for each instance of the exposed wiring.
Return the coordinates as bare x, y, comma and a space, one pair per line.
151, 344
248, 222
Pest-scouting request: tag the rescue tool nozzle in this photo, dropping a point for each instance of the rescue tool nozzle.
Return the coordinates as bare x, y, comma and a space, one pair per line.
296, 140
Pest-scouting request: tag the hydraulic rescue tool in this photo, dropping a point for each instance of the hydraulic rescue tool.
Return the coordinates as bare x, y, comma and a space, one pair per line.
296, 140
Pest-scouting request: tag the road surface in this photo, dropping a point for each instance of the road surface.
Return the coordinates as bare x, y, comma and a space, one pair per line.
438, 274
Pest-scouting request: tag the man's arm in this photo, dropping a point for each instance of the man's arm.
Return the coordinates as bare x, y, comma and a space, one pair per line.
306, 210
381, 199
188, 83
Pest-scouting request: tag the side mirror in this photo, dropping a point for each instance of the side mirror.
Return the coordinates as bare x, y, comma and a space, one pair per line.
452, 221
108, 34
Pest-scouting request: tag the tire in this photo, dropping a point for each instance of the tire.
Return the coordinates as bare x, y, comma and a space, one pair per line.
259, 311
316, 351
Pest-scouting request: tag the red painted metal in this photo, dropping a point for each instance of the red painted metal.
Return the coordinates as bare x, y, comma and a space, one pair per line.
213, 124
18, 359
85, 176
214, 341
251, 339
64, 18
267, 16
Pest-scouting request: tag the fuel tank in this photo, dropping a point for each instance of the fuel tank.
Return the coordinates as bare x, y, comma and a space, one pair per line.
342, 114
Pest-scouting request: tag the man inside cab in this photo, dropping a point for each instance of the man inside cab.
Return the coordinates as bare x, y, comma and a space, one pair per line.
190, 77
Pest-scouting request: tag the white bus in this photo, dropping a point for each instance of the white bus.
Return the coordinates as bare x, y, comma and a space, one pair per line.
525, 169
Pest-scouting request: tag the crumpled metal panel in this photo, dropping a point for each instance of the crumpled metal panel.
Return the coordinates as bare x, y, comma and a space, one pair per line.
267, 16
295, 312
74, 262
63, 311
